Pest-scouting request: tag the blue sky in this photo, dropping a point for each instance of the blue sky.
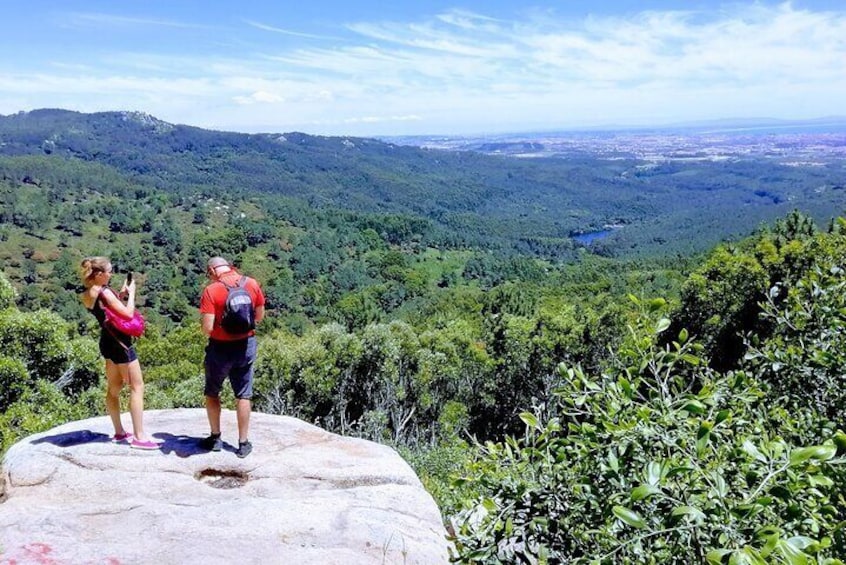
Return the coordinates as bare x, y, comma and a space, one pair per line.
350, 67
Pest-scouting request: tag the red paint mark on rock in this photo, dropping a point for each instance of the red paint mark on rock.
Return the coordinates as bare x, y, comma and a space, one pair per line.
36, 552
39, 553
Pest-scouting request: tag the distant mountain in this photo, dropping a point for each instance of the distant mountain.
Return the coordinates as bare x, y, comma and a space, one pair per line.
476, 197
354, 173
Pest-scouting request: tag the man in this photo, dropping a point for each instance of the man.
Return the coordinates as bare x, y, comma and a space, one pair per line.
230, 352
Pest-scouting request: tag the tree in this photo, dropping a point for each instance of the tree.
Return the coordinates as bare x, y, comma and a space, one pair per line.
312, 378
358, 309
65, 270
803, 359
719, 304
14, 380
388, 388
32, 211
39, 339
166, 235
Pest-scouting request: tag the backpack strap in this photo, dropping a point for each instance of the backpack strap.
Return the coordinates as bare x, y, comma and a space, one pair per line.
242, 283
105, 326
103, 289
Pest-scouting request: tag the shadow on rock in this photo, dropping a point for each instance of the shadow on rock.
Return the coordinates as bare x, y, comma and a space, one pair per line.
71, 439
182, 446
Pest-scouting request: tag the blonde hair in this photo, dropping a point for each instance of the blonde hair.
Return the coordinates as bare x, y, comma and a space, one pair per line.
91, 267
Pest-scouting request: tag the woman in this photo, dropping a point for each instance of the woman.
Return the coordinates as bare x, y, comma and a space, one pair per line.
122, 366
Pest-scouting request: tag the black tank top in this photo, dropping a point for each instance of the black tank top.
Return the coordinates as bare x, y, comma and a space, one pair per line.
100, 314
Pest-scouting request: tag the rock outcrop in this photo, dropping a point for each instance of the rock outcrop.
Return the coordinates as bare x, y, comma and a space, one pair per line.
303, 496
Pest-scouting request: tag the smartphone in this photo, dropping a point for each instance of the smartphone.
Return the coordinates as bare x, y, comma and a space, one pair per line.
129, 277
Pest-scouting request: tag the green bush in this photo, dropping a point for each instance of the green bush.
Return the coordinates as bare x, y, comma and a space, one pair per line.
186, 343
41, 407
188, 392
13, 380
657, 460
8, 294
804, 359
719, 303
435, 464
39, 339
84, 366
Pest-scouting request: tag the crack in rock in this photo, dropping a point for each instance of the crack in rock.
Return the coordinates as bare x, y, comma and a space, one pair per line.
354, 482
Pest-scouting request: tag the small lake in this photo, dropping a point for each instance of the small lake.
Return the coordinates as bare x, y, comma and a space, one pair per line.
591, 236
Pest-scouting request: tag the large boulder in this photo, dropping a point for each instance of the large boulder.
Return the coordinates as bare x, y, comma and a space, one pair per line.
303, 496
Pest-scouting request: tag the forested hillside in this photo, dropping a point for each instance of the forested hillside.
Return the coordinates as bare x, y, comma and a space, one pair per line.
448, 198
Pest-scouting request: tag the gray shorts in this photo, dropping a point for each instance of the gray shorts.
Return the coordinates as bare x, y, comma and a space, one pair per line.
232, 359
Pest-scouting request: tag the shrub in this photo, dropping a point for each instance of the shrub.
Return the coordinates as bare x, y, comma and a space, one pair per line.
84, 366
39, 339
38, 409
8, 294
803, 361
657, 460
13, 380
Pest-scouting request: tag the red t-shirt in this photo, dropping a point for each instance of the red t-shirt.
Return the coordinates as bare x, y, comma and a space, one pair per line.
213, 301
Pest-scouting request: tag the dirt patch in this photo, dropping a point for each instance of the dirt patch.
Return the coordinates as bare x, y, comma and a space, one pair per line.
217, 478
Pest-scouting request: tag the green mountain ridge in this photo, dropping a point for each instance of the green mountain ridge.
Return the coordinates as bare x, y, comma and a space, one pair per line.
472, 199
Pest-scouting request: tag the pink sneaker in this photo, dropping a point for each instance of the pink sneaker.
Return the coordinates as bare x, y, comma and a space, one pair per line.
148, 445
125, 437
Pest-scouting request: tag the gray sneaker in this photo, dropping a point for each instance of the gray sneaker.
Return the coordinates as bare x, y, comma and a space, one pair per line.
212, 443
244, 449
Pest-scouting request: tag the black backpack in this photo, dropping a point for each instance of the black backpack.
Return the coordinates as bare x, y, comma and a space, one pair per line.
239, 314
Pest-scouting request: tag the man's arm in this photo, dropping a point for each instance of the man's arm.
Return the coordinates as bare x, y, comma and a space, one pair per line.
207, 323
259, 313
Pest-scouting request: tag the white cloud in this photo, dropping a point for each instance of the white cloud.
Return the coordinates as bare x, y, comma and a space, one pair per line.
427, 37
266, 27
112, 21
463, 71
259, 97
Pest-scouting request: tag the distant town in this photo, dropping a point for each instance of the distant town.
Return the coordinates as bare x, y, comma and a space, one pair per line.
817, 143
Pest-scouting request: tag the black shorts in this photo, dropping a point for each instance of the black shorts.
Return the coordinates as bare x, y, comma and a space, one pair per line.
119, 352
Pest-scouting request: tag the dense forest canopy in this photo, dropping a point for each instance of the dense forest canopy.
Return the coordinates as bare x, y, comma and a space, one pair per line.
456, 198
652, 397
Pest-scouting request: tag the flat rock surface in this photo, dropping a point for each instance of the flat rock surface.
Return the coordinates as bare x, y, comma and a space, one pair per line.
70, 495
